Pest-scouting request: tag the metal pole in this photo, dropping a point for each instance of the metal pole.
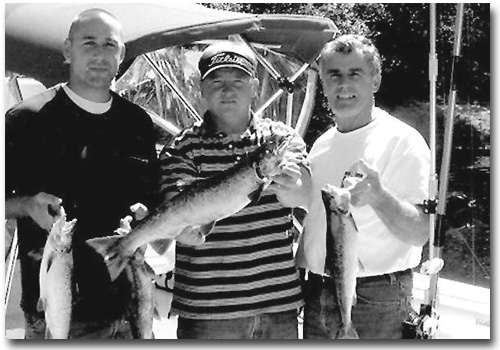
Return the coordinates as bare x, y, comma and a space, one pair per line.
11, 267
289, 109
280, 91
172, 87
14, 246
448, 139
445, 169
307, 106
268, 66
433, 70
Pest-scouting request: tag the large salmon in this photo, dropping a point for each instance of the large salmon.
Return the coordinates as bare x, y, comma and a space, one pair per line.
56, 278
200, 203
341, 257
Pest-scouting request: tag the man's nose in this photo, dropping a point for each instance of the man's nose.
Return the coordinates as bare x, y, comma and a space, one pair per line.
342, 81
98, 50
228, 87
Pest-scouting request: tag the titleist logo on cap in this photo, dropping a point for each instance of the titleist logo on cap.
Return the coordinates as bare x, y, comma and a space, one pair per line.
225, 59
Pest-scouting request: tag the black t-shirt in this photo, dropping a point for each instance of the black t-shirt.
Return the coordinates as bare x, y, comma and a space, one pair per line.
99, 165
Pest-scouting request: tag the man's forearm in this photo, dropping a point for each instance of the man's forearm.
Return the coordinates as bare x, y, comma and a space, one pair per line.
404, 220
16, 207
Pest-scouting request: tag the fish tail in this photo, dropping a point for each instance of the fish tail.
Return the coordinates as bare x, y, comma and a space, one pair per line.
107, 247
347, 332
48, 333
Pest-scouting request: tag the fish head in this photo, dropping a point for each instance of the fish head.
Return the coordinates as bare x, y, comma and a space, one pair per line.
61, 234
350, 179
336, 199
273, 147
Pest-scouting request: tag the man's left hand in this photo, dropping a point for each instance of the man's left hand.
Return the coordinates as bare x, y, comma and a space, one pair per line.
139, 212
293, 184
368, 189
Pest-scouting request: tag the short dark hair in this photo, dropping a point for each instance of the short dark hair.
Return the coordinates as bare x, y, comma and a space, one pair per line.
348, 43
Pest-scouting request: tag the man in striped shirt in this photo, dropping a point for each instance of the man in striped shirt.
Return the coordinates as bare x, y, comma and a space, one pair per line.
240, 280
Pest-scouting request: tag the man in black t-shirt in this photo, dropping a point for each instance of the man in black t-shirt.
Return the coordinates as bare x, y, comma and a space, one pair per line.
95, 151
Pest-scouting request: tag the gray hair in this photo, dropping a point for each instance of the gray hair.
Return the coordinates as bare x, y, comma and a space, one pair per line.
348, 43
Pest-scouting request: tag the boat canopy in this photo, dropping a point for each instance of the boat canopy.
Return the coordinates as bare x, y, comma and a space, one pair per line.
34, 33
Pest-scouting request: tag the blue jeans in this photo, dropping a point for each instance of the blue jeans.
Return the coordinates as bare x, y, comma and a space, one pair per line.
383, 304
279, 325
118, 329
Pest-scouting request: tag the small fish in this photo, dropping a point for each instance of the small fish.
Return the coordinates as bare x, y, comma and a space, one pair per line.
139, 275
341, 257
56, 278
200, 204
140, 308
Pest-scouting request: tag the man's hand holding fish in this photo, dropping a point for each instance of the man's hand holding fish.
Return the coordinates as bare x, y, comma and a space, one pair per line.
292, 185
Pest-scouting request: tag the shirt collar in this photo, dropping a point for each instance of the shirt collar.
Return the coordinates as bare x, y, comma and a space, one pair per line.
87, 105
208, 126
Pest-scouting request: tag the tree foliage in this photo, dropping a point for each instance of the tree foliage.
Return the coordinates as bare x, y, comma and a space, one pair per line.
401, 32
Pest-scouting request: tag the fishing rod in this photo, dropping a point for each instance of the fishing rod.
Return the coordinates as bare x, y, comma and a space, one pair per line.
14, 245
448, 140
9, 275
424, 325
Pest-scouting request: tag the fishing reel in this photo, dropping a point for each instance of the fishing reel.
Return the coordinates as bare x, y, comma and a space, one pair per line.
421, 325
460, 210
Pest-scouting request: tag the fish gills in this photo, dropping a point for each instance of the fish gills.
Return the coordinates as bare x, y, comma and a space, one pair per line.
56, 279
341, 255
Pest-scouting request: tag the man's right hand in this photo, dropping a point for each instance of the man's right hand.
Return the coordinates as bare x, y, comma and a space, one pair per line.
39, 206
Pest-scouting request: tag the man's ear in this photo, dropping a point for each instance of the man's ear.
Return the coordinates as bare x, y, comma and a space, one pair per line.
203, 99
376, 81
122, 53
201, 86
67, 51
255, 87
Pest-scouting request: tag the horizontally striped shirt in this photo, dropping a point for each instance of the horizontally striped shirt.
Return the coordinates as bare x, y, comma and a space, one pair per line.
246, 265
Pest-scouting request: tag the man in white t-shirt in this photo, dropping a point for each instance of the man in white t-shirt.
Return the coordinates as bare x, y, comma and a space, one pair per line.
394, 161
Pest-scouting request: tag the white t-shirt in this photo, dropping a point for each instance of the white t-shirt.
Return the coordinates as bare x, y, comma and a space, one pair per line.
87, 105
402, 157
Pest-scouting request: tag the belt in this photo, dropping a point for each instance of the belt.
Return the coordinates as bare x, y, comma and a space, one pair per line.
327, 280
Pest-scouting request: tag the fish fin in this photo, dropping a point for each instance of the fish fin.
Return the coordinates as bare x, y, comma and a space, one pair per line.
206, 229
115, 263
48, 333
351, 332
103, 244
255, 195
76, 288
149, 271
161, 246
140, 252
361, 267
347, 332
40, 306
354, 223
50, 260
156, 313
116, 266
